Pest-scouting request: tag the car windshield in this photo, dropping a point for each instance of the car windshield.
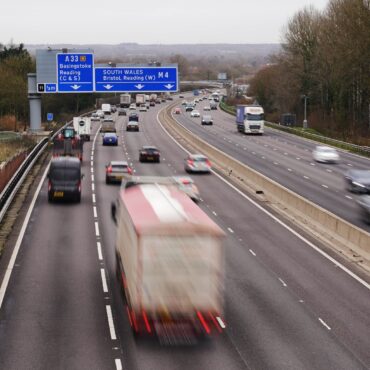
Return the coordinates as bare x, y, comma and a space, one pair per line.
326, 149
110, 135
255, 117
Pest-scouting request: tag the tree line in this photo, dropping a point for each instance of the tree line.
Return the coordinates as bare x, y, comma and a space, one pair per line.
326, 57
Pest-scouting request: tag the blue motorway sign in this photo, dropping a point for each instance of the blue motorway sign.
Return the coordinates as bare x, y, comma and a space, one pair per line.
136, 79
75, 72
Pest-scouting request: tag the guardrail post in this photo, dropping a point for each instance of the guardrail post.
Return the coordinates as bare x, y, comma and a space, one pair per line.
34, 99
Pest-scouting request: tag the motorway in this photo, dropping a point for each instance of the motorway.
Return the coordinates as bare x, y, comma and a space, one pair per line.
286, 306
285, 158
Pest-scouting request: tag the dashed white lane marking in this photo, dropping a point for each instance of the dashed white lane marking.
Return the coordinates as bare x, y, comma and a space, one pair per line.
306, 177
110, 322
118, 364
327, 170
100, 255
92, 158
282, 282
214, 213
252, 252
92, 163
324, 323
263, 157
349, 164
254, 153
93, 198
92, 178
312, 164
245, 148
95, 212
236, 144
289, 169
231, 230
97, 233
298, 159
93, 187
104, 281
92, 169
347, 196
285, 153
325, 186
275, 149
276, 163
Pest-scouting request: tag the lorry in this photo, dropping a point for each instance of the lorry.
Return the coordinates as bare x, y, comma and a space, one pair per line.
82, 126
68, 143
153, 97
140, 99
169, 262
250, 119
106, 108
124, 100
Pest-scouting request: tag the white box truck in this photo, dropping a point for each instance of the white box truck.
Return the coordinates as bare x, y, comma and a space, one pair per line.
124, 100
140, 99
170, 262
250, 119
82, 126
106, 108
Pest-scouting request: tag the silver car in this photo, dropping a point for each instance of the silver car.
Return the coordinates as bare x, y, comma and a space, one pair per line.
116, 171
325, 154
197, 163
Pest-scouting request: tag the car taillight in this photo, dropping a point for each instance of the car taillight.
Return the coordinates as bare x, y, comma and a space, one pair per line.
129, 170
191, 162
208, 163
109, 169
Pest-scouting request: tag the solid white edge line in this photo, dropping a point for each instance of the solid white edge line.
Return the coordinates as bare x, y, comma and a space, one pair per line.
104, 281
100, 255
295, 233
324, 323
97, 229
18, 243
110, 323
118, 364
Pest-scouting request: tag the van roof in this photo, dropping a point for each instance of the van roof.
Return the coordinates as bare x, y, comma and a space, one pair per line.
65, 162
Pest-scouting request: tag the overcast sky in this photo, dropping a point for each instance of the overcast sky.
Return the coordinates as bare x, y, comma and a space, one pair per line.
147, 21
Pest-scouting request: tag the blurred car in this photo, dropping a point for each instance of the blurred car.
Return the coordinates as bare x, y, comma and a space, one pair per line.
186, 184
113, 109
110, 138
100, 113
184, 102
132, 106
358, 181
158, 101
108, 118
163, 100
147, 104
95, 117
177, 111
142, 108
133, 116
181, 96
197, 163
149, 153
207, 120
152, 103
207, 108
132, 126
189, 108
325, 154
122, 111
116, 171
364, 204
195, 113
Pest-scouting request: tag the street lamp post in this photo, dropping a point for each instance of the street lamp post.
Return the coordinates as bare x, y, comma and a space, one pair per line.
305, 123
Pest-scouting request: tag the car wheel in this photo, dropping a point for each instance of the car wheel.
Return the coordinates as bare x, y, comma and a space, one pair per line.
78, 198
50, 197
107, 180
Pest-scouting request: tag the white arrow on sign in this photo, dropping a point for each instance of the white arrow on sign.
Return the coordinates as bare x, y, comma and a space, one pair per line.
75, 87
140, 86
169, 86
108, 87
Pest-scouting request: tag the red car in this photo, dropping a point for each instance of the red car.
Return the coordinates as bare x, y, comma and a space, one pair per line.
177, 111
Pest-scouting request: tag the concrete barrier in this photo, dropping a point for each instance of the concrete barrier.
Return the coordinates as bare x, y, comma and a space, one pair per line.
323, 223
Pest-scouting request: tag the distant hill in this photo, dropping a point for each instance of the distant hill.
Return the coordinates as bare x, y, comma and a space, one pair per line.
254, 54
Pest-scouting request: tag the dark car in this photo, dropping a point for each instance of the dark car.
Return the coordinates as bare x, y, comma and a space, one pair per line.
133, 116
110, 138
116, 171
364, 204
122, 111
189, 108
152, 103
132, 126
358, 181
207, 120
149, 153
64, 179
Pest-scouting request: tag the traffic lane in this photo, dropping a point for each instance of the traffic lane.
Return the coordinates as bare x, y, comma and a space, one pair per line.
54, 312
335, 200
262, 234
141, 355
